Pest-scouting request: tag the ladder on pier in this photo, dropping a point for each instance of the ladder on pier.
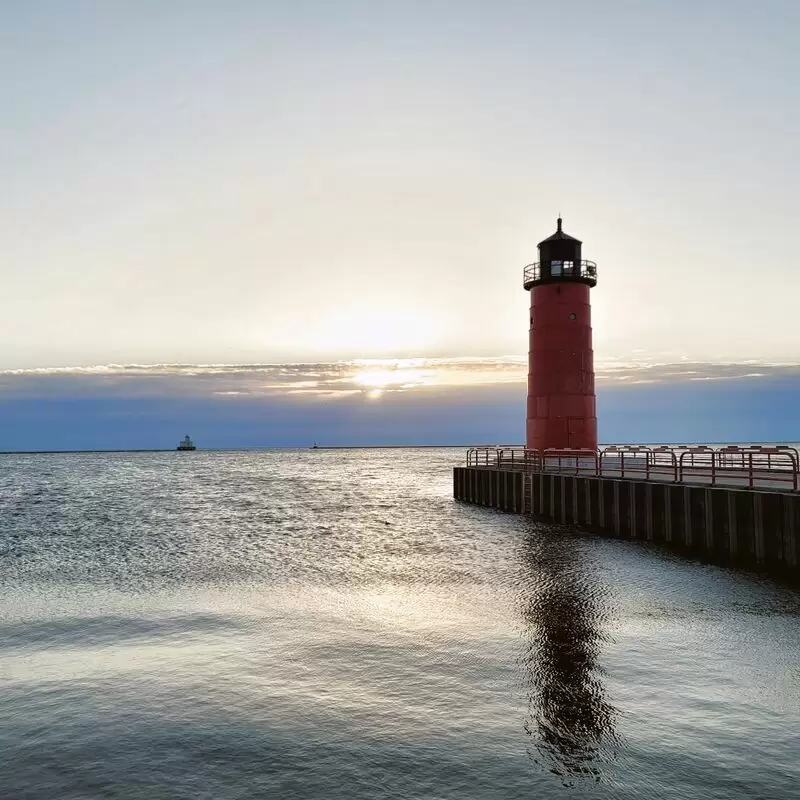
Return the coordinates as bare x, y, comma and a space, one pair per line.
527, 493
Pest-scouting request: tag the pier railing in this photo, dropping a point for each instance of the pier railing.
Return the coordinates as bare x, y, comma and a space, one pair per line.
752, 466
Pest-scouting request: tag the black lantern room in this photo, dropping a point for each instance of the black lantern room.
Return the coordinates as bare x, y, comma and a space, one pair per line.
560, 260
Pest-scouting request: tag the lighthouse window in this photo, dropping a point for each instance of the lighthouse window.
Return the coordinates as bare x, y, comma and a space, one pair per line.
555, 267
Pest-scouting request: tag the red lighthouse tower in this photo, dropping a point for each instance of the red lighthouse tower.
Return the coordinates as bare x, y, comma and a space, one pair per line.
561, 400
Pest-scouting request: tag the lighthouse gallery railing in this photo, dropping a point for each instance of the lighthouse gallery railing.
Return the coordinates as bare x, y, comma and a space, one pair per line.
559, 269
753, 466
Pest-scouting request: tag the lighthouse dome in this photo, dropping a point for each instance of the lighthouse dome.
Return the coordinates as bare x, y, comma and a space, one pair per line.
559, 235
560, 247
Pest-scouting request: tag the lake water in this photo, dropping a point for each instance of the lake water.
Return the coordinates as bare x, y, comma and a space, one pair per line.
331, 624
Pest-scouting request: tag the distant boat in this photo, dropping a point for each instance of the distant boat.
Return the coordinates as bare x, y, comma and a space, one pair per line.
315, 447
186, 444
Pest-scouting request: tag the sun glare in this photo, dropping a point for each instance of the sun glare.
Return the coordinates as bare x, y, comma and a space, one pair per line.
381, 378
374, 324
377, 381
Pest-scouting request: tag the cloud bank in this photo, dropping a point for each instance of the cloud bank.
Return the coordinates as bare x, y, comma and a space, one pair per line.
456, 401
371, 378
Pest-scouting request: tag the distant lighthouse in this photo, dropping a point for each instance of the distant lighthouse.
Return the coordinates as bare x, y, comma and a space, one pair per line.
561, 399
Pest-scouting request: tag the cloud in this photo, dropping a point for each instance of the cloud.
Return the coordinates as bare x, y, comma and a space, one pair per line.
407, 401
367, 376
372, 378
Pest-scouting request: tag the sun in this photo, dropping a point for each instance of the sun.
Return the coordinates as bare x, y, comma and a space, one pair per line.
377, 381
379, 378
384, 378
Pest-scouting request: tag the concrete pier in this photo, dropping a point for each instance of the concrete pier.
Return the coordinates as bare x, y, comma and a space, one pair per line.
756, 528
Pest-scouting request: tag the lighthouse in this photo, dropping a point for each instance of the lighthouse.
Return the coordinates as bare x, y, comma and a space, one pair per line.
561, 400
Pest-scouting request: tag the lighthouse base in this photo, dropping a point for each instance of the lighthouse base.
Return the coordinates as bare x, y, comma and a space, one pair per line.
566, 433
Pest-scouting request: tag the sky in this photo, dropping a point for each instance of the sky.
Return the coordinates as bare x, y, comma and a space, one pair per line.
203, 201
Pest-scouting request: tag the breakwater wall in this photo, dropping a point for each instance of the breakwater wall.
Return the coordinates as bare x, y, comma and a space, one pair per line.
759, 529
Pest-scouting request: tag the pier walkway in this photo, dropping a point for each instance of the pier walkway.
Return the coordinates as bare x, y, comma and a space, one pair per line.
770, 468
728, 505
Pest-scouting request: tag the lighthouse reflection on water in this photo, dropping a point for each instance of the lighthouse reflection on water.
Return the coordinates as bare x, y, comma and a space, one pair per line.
565, 609
569, 719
